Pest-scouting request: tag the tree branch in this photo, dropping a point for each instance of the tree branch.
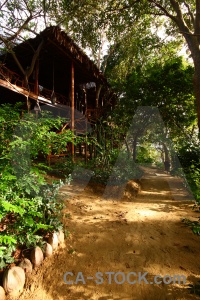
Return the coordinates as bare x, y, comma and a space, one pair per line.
156, 4
2, 5
9, 47
12, 32
179, 21
35, 56
28, 72
190, 12
23, 26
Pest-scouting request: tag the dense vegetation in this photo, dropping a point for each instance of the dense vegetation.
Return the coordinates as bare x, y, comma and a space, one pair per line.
157, 116
29, 206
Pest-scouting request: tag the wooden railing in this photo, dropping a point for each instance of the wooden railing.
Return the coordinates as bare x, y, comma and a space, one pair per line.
92, 114
46, 93
16, 79
10, 76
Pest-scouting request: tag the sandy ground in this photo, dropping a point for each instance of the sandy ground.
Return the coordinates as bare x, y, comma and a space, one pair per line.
142, 235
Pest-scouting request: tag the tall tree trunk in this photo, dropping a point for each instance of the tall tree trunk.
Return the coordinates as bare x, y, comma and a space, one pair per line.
166, 152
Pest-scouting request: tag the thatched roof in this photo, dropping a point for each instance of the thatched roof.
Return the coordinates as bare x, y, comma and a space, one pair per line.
58, 46
55, 67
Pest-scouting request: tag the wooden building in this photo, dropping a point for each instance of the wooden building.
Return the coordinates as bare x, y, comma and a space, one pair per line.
51, 71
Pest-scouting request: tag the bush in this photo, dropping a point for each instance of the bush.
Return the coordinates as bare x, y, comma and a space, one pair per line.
189, 157
29, 209
29, 206
118, 169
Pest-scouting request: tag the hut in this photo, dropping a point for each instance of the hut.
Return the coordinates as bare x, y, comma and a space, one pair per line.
51, 72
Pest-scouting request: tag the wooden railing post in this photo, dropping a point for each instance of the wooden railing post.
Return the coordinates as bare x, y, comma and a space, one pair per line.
72, 106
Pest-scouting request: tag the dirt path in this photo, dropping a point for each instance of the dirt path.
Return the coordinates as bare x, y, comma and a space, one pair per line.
144, 235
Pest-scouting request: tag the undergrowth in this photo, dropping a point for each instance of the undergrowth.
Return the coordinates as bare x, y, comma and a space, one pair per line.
29, 206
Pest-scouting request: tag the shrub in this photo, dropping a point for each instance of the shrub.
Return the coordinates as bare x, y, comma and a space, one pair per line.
29, 206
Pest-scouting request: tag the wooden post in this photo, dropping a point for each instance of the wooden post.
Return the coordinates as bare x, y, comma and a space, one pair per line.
72, 106
36, 89
86, 127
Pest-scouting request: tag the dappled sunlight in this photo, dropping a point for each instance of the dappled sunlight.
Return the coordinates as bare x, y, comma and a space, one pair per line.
151, 192
141, 235
148, 213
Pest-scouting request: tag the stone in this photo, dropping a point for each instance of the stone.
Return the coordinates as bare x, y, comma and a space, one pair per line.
26, 265
61, 237
48, 250
53, 240
131, 190
14, 280
37, 257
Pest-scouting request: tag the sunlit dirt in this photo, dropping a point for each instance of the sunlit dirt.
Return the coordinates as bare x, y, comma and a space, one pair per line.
142, 235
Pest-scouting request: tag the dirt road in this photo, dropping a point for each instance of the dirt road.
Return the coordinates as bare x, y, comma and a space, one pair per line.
142, 235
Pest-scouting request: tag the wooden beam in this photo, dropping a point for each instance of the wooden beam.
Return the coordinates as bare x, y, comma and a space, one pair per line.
96, 74
17, 89
72, 105
24, 92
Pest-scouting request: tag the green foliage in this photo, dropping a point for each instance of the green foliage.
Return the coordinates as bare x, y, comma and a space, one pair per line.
167, 86
17, 24
29, 206
123, 170
62, 168
193, 177
195, 225
136, 25
194, 288
116, 169
7, 246
144, 155
189, 156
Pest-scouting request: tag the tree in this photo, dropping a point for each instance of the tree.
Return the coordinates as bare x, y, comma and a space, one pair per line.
186, 18
167, 86
178, 19
19, 20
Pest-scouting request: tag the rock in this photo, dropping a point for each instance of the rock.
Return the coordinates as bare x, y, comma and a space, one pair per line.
14, 280
48, 250
26, 265
61, 237
53, 240
131, 190
37, 256
2, 293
